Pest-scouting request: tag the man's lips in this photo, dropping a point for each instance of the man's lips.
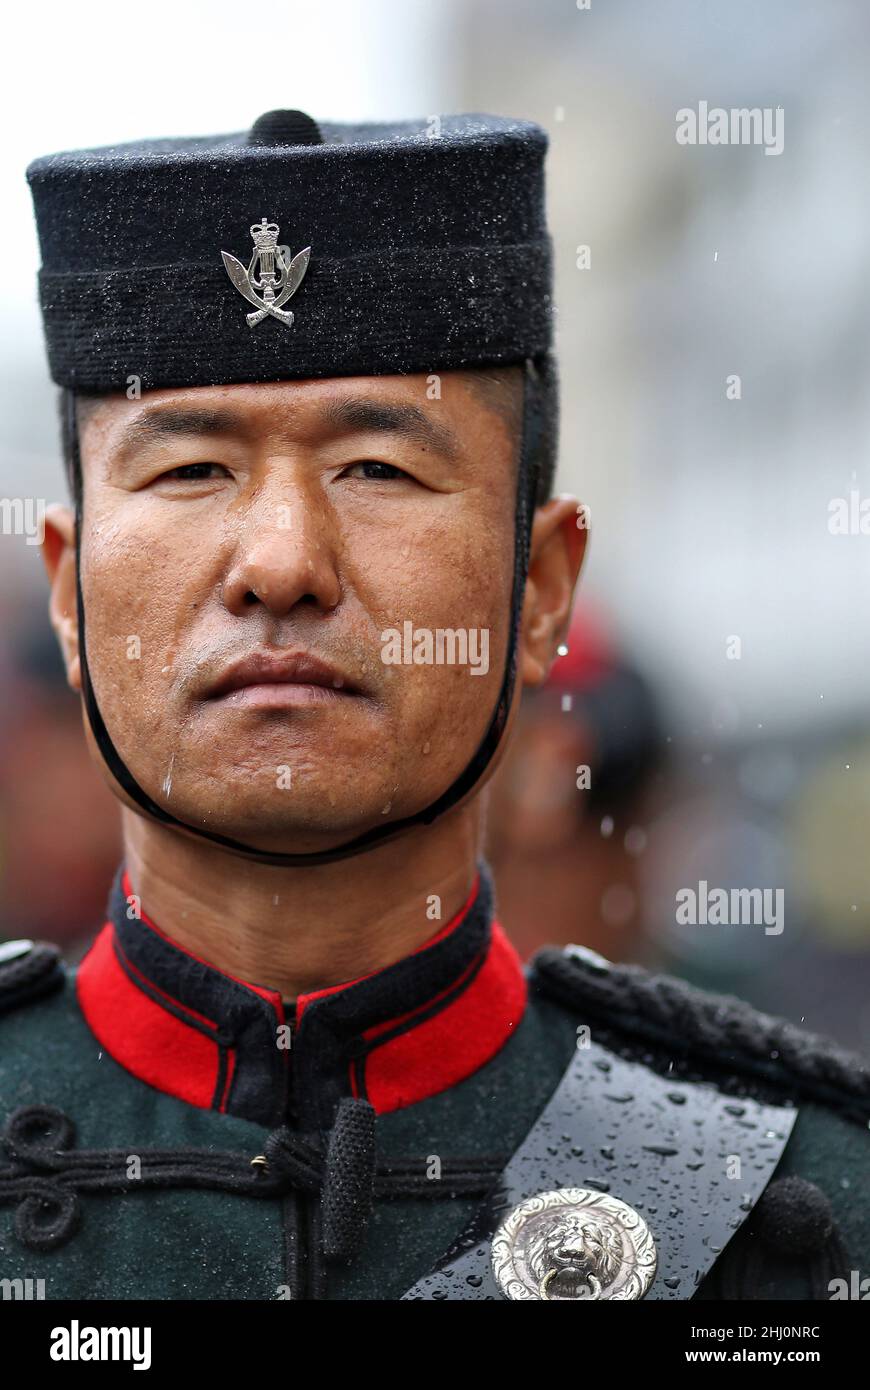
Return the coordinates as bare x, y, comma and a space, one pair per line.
281, 679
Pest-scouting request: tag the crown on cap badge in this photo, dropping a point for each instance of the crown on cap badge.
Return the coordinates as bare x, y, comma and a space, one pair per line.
271, 271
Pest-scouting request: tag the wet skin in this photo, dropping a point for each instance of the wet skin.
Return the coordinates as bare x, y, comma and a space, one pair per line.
292, 521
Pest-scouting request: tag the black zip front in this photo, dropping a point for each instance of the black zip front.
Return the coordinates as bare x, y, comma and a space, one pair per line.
304, 1270
293, 1255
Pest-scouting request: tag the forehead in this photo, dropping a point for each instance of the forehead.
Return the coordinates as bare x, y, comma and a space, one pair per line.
446, 412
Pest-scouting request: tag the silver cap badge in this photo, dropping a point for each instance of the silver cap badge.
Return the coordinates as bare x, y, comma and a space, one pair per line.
271, 271
573, 1244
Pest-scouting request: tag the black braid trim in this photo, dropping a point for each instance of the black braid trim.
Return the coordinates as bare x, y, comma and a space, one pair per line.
675, 1025
793, 1222
46, 1175
30, 976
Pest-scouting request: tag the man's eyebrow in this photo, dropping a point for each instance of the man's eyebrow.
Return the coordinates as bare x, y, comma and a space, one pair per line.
392, 418
160, 424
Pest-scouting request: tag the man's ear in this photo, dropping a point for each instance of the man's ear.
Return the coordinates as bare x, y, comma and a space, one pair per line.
59, 558
558, 544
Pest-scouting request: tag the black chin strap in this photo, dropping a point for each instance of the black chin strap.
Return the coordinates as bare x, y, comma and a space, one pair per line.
526, 491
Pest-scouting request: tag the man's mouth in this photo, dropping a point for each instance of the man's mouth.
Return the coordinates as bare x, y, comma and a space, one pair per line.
281, 679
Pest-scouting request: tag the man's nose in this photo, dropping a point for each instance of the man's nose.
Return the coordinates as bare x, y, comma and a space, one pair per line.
286, 551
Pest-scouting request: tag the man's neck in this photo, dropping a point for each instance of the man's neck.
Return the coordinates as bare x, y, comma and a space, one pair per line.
303, 929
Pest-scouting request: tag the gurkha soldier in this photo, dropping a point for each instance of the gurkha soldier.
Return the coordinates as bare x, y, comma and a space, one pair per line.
314, 561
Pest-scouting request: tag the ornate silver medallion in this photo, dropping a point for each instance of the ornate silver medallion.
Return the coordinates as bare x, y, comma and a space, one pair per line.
573, 1244
271, 271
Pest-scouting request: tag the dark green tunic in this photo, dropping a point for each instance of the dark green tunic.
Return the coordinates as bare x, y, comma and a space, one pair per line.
118, 1206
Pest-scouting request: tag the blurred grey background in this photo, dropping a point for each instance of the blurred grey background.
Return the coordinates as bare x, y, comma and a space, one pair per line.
710, 516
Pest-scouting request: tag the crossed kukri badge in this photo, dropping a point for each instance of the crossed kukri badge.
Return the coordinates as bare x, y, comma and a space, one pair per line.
271, 271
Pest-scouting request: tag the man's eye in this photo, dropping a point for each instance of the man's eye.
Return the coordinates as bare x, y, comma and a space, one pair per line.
191, 472
376, 471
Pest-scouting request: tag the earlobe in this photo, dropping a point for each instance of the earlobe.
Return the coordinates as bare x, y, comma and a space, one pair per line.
59, 558
558, 545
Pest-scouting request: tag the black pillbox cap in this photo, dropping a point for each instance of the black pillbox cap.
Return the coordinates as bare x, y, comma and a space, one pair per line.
429, 250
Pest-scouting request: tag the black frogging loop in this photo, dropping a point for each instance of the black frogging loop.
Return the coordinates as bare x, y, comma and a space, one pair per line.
526, 494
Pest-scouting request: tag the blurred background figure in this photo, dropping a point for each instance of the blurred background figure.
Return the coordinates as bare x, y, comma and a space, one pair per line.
59, 832
568, 805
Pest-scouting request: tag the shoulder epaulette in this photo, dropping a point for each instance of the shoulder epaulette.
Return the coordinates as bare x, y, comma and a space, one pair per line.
724, 1033
28, 971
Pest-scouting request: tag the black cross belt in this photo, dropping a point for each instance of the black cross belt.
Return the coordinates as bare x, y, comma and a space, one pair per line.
662, 1146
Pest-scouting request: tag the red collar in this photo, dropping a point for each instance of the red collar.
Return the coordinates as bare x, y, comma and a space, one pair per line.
393, 1037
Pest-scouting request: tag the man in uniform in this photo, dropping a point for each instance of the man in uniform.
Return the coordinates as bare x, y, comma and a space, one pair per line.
309, 411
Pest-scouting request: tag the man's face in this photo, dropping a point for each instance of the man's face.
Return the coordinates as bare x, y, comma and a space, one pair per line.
229, 531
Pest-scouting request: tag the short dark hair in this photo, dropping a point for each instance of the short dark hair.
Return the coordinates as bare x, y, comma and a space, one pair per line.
69, 444
501, 386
